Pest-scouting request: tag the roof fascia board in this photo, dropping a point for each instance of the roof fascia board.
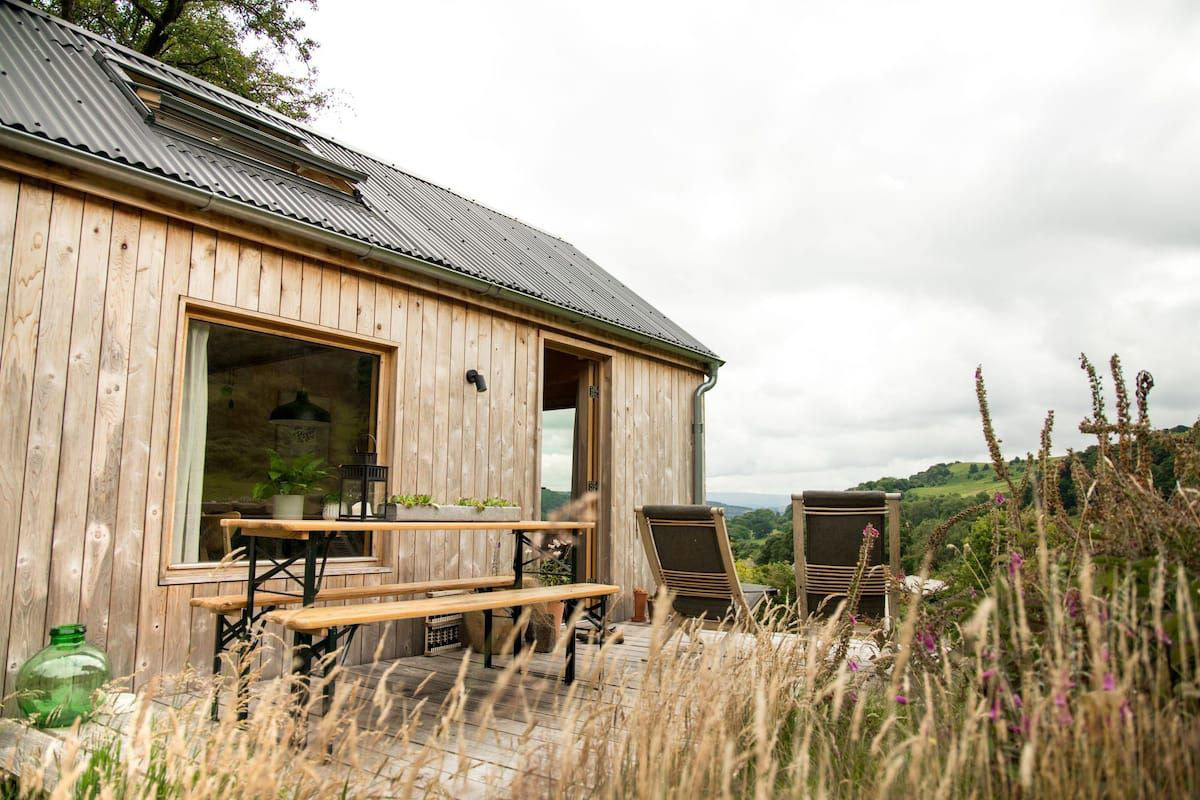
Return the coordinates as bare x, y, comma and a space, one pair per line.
39, 147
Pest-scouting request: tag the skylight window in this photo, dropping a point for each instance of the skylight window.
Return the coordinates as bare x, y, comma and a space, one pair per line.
176, 107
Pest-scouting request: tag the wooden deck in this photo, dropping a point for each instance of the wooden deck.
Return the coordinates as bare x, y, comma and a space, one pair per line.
509, 725
508, 720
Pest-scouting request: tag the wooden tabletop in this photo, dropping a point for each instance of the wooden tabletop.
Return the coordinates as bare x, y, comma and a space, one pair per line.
300, 528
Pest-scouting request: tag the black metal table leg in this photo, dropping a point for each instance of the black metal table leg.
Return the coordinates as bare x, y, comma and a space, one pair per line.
247, 632
302, 653
518, 558
575, 577
218, 648
331, 643
569, 670
518, 579
487, 638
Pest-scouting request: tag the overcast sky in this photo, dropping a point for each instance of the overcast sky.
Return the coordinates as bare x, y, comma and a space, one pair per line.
854, 204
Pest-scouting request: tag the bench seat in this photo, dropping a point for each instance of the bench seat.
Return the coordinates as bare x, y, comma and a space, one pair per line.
314, 619
229, 603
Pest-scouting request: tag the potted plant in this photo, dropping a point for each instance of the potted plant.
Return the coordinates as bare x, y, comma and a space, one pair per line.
408, 507
552, 571
331, 507
288, 481
489, 509
421, 508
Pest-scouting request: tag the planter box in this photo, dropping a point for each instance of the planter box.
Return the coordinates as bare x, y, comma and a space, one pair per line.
398, 513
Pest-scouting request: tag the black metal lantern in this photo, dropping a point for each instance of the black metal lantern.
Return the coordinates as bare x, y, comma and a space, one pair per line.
363, 485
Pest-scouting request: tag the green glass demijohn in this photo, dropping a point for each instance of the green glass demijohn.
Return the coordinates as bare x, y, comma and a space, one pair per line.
62, 682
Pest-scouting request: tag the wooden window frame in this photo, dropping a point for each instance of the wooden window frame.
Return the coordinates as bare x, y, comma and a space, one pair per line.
204, 311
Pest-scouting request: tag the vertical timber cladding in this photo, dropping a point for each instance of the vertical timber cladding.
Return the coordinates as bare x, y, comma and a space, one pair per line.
90, 298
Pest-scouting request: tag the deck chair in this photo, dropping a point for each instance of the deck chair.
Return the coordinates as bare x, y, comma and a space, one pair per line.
827, 531
689, 554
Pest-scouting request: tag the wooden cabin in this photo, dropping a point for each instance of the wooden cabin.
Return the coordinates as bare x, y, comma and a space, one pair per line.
188, 281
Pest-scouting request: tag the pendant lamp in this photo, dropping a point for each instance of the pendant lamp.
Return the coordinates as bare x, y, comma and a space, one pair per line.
300, 410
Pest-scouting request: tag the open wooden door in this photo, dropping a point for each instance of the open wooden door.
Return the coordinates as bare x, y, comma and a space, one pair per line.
570, 464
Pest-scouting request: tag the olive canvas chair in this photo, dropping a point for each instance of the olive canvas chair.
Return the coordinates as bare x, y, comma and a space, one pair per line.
689, 554
827, 531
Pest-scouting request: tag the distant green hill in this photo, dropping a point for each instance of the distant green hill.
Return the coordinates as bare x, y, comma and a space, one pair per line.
551, 500
960, 478
731, 511
965, 483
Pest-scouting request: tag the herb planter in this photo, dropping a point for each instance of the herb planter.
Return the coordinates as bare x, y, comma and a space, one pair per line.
394, 512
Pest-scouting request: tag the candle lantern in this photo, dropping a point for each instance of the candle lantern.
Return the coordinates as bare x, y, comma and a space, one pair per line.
363, 484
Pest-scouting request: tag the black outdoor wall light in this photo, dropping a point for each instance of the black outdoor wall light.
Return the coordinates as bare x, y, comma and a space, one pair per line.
476, 377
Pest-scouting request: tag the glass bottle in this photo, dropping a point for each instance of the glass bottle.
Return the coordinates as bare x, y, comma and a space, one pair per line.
62, 682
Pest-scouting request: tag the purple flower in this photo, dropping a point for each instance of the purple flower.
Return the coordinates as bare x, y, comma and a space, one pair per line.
1071, 601
999, 499
988, 674
1016, 701
1163, 637
995, 712
852, 664
1064, 711
1110, 682
854, 619
928, 640
901, 699
870, 532
1014, 563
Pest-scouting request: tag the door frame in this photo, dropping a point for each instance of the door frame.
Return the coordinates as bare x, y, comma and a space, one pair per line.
598, 553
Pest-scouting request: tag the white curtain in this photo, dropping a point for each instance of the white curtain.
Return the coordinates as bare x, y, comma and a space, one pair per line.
193, 431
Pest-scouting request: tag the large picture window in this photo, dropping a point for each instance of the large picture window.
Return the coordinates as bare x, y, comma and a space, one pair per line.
254, 401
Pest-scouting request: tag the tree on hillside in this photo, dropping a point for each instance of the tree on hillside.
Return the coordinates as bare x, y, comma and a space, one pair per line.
761, 521
779, 547
240, 45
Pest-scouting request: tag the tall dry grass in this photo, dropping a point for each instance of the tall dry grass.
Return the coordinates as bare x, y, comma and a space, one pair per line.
1066, 667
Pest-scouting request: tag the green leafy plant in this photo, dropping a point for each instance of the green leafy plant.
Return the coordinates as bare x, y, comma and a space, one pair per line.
554, 572
298, 475
332, 497
412, 500
488, 502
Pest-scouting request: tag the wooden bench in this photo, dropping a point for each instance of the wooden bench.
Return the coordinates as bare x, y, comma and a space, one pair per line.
229, 603
328, 621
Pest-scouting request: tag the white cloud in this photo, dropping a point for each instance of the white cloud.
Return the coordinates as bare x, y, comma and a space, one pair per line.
853, 203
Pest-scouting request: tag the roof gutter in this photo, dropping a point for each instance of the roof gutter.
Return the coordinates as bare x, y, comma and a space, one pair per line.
206, 200
698, 433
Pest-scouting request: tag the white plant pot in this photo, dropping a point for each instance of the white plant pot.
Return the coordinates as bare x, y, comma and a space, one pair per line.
287, 506
331, 511
398, 513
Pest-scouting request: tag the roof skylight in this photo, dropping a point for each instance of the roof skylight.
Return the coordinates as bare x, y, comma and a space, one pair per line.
176, 107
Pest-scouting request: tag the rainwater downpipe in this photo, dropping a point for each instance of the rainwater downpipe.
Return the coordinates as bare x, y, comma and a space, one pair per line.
698, 433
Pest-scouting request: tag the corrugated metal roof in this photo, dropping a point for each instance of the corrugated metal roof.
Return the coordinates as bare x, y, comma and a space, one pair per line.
52, 86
